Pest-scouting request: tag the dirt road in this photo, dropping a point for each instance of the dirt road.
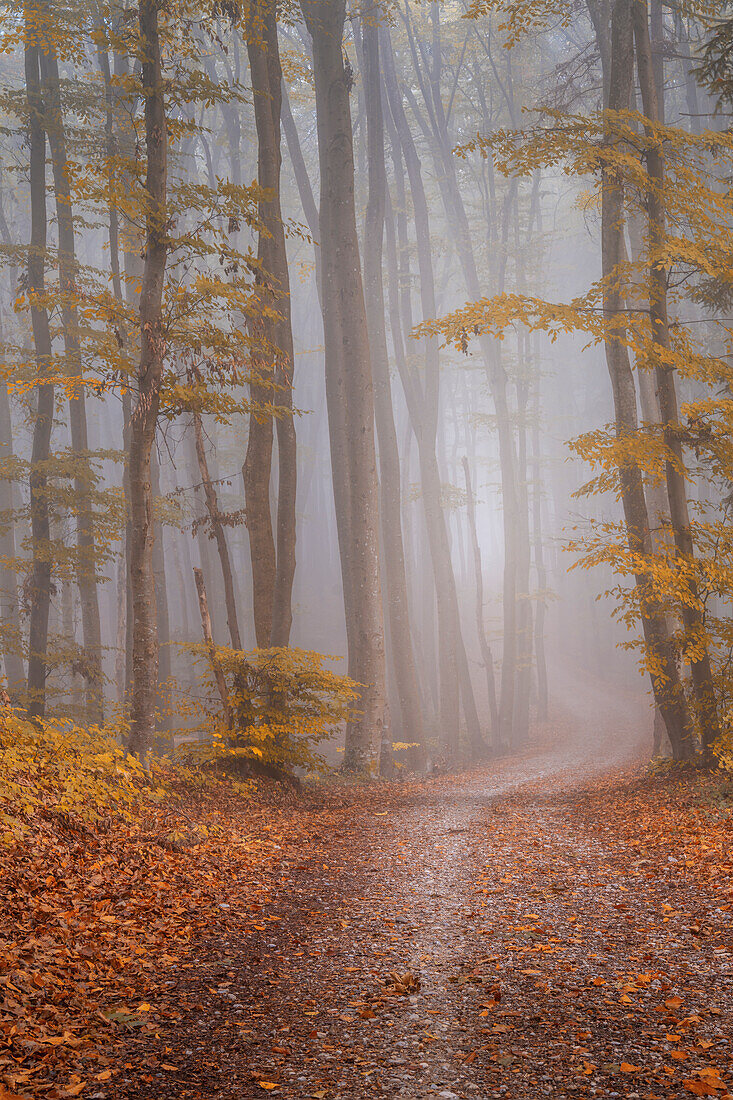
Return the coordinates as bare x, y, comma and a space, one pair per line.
473, 937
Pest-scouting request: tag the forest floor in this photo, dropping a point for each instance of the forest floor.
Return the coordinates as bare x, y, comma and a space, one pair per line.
538, 927
519, 933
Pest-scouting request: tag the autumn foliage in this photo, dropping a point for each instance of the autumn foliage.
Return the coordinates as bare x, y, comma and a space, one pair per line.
110, 874
278, 705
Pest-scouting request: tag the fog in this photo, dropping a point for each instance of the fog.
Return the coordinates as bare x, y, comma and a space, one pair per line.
388, 420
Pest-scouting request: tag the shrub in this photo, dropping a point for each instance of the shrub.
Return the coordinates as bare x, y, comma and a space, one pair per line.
277, 706
61, 768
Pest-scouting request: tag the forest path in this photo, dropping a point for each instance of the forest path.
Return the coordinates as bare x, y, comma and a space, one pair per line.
547, 964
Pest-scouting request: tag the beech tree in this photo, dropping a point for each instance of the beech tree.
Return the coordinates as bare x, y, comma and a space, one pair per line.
349, 387
273, 559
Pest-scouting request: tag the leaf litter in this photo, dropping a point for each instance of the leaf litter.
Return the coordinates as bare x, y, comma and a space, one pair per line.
524, 931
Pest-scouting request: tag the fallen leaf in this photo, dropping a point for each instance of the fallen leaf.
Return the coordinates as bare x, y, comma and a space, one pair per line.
698, 1087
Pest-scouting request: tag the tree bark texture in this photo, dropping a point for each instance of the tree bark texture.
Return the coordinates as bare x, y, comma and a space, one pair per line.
218, 532
398, 611
150, 373
273, 560
40, 586
486, 654
666, 684
651, 83
86, 565
349, 389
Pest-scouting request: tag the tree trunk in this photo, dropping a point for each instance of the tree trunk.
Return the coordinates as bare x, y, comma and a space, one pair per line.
692, 611
523, 681
9, 603
302, 179
349, 385
162, 615
217, 528
398, 610
273, 564
86, 564
219, 678
539, 556
150, 372
123, 662
40, 586
9, 607
666, 684
486, 654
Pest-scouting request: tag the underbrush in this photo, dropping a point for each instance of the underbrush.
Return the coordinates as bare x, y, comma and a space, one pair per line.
108, 874
83, 773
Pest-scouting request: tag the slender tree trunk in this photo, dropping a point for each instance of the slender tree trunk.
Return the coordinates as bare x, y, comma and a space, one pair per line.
150, 373
692, 612
123, 662
162, 614
121, 136
217, 528
666, 684
349, 384
523, 682
486, 654
120, 651
539, 556
40, 586
273, 561
398, 611
219, 678
9, 607
84, 477
9, 604
302, 179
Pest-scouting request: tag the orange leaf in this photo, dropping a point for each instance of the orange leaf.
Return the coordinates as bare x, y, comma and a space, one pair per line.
699, 1088
673, 1002
269, 1085
626, 1067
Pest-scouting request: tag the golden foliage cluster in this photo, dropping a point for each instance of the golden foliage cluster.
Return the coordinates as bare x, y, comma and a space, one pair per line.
281, 704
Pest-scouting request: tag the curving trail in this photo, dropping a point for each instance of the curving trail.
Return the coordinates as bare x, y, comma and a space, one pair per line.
534, 955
